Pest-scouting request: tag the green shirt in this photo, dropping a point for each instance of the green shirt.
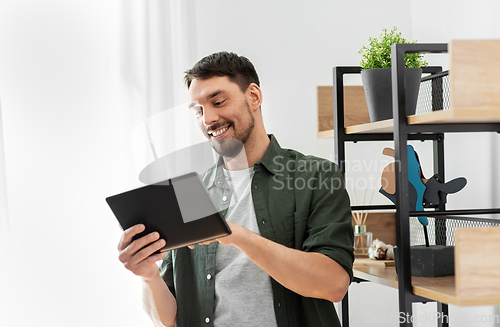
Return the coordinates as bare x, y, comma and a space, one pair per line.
300, 202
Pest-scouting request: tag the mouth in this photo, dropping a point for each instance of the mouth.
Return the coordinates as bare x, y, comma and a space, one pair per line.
219, 133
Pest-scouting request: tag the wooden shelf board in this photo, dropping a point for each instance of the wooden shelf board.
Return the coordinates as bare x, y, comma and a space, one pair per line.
328, 134
383, 126
457, 116
381, 275
471, 116
441, 289
355, 108
365, 261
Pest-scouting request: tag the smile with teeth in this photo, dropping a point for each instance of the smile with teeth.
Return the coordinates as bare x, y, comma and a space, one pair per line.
219, 132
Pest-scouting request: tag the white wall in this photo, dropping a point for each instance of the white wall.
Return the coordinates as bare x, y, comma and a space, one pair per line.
64, 154
64, 135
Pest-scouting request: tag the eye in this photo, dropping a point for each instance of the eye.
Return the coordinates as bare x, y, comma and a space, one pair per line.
197, 110
219, 103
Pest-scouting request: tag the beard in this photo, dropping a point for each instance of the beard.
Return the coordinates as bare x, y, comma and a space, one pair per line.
231, 147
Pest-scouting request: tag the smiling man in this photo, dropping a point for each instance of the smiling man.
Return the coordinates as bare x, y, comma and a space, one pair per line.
224, 114
290, 253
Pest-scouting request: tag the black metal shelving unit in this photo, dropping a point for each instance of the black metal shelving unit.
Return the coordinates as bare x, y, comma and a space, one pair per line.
402, 133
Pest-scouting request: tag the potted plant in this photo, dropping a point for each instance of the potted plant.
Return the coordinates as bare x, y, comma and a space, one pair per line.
376, 75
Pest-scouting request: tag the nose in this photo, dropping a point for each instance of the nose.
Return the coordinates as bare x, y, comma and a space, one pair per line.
210, 116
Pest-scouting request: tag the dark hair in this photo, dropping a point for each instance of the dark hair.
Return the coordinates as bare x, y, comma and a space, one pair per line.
238, 68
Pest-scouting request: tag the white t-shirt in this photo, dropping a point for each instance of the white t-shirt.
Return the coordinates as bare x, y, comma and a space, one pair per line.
243, 293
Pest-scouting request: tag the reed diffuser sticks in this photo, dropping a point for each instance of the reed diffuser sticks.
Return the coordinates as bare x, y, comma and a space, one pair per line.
360, 216
362, 238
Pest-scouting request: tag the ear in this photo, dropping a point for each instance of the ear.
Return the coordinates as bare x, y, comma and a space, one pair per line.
254, 96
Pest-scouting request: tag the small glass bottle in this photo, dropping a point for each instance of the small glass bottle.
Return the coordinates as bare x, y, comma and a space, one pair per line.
362, 241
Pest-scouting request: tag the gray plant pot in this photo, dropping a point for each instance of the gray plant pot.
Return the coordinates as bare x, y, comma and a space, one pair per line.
378, 91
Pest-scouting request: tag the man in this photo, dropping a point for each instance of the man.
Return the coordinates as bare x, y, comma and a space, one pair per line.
290, 252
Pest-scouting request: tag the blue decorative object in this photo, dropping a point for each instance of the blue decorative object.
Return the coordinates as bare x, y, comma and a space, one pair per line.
416, 181
421, 192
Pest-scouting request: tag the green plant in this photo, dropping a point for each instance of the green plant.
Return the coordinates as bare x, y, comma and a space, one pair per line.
378, 53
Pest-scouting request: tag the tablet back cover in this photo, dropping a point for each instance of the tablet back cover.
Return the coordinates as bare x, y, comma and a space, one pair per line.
180, 209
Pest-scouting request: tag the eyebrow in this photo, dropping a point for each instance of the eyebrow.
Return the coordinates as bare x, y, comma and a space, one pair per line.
208, 97
214, 94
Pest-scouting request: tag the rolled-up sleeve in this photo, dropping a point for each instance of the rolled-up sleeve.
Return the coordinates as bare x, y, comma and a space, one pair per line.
329, 229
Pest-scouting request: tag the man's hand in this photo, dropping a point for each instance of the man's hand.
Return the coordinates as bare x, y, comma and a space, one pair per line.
236, 230
137, 256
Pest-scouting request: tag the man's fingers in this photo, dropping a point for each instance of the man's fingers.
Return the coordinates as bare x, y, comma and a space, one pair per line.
149, 250
142, 268
128, 234
134, 248
143, 257
138, 244
203, 243
138, 256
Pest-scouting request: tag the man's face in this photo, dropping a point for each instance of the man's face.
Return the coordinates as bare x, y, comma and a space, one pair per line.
222, 113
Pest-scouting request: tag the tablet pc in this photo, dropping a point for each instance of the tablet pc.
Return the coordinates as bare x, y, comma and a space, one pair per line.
179, 209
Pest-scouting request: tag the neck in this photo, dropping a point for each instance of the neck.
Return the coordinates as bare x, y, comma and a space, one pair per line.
253, 150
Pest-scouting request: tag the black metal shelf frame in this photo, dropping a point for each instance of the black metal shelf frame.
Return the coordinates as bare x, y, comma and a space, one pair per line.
402, 132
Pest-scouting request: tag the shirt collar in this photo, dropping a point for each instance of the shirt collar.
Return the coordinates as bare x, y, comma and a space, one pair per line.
273, 157
272, 161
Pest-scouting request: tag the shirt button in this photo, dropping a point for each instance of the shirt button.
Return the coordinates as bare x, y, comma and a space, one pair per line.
255, 186
224, 198
263, 222
207, 320
209, 276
